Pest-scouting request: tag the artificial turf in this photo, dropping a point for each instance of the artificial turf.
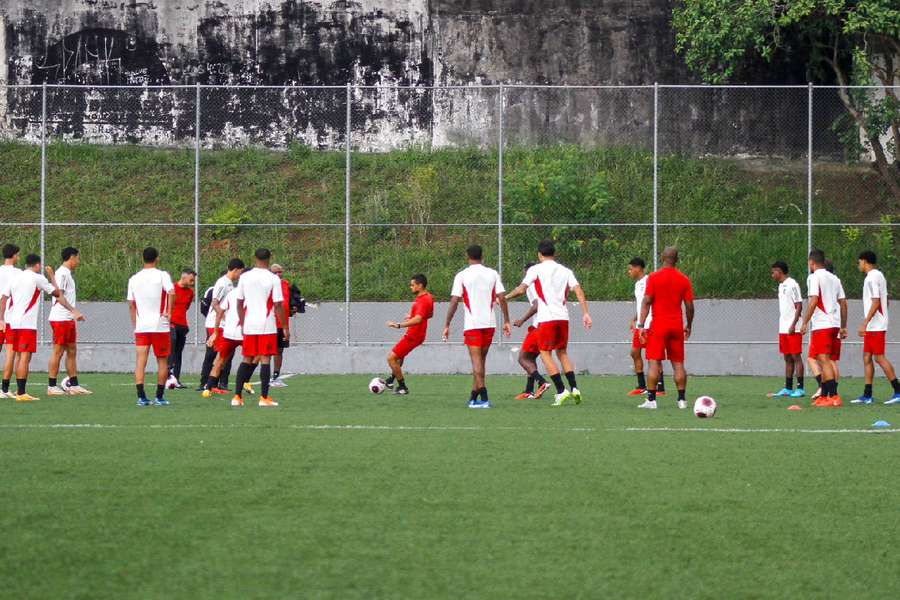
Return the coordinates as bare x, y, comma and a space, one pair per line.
342, 494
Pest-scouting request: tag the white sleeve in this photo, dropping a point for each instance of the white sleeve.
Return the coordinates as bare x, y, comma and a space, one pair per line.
130, 295
167, 282
238, 290
796, 295
45, 284
530, 276
873, 287
841, 295
457, 289
498, 285
220, 292
277, 292
812, 285
571, 282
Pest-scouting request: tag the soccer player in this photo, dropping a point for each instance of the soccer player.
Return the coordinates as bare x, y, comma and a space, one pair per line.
790, 342
20, 297
65, 333
258, 295
823, 319
282, 323
224, 284
637, 272
416, 325
667, 290
184, 297
151, 297
226, 341
553, 282
874, 328
8, 270
531, 349
479, 288
836, 350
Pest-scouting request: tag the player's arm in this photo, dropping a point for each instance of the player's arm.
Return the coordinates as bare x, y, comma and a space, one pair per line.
811, 301
3, 300
689, 317
451, 312
410, 322
65, 304
646, 303
519, 291
582, 300
876, 304
287, 324
504, 308
531, 312
132, 310
844, 310
240, 311
798, 312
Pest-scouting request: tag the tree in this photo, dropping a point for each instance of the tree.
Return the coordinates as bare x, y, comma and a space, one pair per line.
857, 41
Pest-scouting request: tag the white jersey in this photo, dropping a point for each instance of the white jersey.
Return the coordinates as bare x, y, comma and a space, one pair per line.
828, 289
478, 286
532, 296
24, 291
66, 284
260, 289
875, 286
640, 288
231, 327
7, 272
788, 294
148, 290
552, 282
221, 288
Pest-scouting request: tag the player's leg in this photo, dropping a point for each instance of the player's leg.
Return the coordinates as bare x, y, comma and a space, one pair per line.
799, 373
891, 375
813, 365
679, 374
265, 378
477, 359
181, 333
528, 362
826, 368
22, 368
9, 365
869, 373
208, 359
637, 361
56, 355
143, 353
568, 368
162, 349
395, 363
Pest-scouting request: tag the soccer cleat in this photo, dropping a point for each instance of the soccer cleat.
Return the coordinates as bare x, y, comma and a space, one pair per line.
648, 404
143, 402
26, 398
389, 382
160, 402
822, 401
206, 393
817, 394
401, 391
782, 393
277, 383
479, 403
863, 400
4, 395
576, 395
78, 390
660, 392
200, 388
561, 398
637, 392
218, 391
895, 399
682, 404
237, 401
836, 402
55, 390
267, 402
525, 396
798, 393
540, 390
248, 389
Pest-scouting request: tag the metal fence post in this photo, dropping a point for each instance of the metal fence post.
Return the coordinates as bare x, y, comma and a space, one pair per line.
809, 169
43, 192
655, 174
347, 220
500, 194
197, 213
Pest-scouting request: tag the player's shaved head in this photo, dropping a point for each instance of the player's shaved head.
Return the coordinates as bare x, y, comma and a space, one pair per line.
150, 255
670, 256
817, 257
474, 252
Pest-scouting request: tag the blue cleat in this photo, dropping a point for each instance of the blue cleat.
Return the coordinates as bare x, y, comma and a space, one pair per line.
895, 399
782, 393
160, 402
479, 404
143, 402
863, 400
798, 393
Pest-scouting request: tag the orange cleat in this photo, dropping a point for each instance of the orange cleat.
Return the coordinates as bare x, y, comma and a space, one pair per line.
266, 401
660, 393
823, 401
540, 390
637, 391
525, 396
218, 391
836, 401
237, 401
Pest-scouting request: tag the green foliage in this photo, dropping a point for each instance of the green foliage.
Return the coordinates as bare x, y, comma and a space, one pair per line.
230, 215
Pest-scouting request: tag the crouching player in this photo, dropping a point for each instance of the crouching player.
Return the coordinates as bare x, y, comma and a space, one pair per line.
416, 324
531, 348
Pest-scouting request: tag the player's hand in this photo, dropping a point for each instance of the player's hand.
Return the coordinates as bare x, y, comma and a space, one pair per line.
78, 316
49, 271
392, 325
687, 333
212, 339
843, 333
2, 325
445, 335
803, 329
517, 322
587, 320
507, 329
643, 336
862, 331
287, 335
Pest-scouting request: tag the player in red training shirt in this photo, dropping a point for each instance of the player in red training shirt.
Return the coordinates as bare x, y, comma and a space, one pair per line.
184, 297
416, 325
667, 289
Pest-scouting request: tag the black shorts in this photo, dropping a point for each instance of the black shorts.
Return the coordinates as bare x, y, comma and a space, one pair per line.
282, 343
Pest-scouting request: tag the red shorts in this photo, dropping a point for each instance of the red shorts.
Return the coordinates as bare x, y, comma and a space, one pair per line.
666, 344
22, 340
161, 343
875, 342
825, 341
479, 338
636, 340
226, 347
532, 344
5, 335
553, 335
64, 332
405, 346
790, 343
261, 345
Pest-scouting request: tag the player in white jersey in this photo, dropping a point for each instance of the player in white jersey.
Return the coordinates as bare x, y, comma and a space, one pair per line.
217, 294
259, 295
553, 282
530, 349
790, 342
836, 350
823, 319
480, 289
151, 297
637, 272
19, 305
7, 271
226, 341
65, 333
874, 328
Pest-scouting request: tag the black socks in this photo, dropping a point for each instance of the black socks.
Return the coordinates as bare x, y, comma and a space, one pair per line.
5, 386
896, 385
140, 391
788, 383
642, 381
570, 377
51, 381
557, 381
265, 375
483, 393
20, 386
681, 394
160, 390
529, 385
800, 383
867, 390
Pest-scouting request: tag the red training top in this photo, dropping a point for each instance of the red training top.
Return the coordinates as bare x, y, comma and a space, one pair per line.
283, 316
669, 288
424, 306
184, 297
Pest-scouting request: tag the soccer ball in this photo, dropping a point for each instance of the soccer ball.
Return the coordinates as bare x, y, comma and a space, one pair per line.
377, 385
65, 384
705, 407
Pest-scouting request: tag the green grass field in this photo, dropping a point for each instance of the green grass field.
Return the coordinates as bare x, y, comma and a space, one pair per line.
341, 494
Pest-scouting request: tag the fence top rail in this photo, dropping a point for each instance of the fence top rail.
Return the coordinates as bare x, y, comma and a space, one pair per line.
473, 86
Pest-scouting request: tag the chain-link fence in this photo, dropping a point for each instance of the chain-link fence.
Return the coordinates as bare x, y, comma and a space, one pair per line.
356, 188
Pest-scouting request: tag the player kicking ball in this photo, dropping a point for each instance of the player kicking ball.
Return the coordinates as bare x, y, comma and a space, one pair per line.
531, 349
479, 288
874, 329
637, 272
552, 283
416, 325
790, 342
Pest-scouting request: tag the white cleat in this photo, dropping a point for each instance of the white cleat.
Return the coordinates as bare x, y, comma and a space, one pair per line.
561, 398
9, 395
648, 404
55, 390
682, 404
277, 383
79, 391
817, 394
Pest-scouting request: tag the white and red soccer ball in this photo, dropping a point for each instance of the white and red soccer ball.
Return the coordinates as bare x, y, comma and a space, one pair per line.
377, 385
705, 407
